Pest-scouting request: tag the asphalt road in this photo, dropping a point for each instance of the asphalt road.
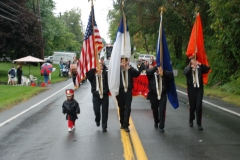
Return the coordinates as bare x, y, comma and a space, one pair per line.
41, 132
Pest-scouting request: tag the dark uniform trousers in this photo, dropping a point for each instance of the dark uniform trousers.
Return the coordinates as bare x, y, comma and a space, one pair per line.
124, 103
158, 108
195, 96
97, 103
74, 76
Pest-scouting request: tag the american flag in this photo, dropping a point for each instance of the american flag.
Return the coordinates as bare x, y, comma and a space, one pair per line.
92, 43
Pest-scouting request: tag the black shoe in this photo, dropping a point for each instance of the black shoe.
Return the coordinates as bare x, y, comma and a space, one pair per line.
121, 127
126, 129
200, 128
104, 130
161, 129
98, 124
190, 123
156, 125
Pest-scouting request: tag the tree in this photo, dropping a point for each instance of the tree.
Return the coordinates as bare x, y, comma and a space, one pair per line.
19, 30
61, 33
72, 20
226, 22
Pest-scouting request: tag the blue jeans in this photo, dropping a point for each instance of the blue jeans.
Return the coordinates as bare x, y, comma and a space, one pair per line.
46, 78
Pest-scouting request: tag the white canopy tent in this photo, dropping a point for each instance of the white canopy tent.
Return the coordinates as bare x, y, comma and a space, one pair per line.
28, 59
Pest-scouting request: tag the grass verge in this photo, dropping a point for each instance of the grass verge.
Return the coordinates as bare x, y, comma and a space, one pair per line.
12, 95
27, 70
216, 93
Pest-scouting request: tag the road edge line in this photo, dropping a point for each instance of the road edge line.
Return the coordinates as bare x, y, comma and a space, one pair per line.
21, 113
214, 105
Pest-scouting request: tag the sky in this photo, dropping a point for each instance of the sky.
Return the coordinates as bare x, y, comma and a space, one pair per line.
101, 8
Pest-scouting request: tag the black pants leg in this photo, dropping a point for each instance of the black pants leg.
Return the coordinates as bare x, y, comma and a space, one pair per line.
192, 102
154, 106
121, 106
127, 112
195, 96
199, 97
105, 106
124, 103
96, 107
74, 80
19, 79
162, 110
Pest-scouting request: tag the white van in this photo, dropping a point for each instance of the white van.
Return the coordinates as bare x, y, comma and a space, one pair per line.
66, 56
141, 56
147, 57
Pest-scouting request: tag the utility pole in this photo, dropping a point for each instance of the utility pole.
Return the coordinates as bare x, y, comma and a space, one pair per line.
40, 31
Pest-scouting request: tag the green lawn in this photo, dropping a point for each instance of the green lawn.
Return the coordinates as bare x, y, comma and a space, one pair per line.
12, 95
34, 70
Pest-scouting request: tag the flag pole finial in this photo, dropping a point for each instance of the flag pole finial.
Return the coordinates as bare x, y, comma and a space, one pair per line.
197, 9
123, 4
91, 2
161, 10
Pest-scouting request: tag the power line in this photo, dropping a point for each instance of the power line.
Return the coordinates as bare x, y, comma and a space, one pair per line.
22, 7
12, 10
8, 12
18, 5
9, 7
8, 18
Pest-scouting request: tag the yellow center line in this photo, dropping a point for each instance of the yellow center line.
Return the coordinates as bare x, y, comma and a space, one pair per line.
131, 142
137, 144
127, 146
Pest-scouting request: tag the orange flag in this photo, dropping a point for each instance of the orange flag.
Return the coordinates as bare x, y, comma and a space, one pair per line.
196, 45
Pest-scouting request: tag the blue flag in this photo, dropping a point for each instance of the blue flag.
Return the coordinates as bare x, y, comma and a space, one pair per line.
166, 65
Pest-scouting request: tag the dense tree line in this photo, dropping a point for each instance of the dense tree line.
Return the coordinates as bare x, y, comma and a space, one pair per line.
20, 26
220, 21
19, 29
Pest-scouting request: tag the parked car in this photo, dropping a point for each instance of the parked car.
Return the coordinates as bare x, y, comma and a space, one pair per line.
141, 56
6, 59
146, 57
48, 59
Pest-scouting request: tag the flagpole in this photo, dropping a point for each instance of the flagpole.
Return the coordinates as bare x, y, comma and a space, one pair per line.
95, 48
195, 73
93, 33
196, 29
125, 29
161, 9
124, 46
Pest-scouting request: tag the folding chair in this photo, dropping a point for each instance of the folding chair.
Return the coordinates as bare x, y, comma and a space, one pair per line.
33, 79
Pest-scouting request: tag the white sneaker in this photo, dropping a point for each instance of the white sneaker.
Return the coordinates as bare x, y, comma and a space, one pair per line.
73, 127
69, 129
